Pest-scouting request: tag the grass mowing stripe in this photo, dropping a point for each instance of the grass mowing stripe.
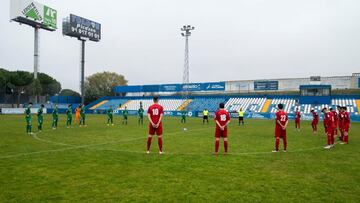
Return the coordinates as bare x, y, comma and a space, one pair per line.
72, 147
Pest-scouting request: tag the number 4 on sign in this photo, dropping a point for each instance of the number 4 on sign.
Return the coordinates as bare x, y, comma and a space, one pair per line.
51, 12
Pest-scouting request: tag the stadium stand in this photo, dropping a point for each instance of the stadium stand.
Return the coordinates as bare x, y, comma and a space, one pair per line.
247, 104
105, 104
168, 104
201, 103
250, 104
289, 104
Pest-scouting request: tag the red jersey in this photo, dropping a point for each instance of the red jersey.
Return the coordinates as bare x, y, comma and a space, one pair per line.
282, 117
222, 116
329, 120
315, 116
336, 116
341, 119
155, 111
346, 119
297, 115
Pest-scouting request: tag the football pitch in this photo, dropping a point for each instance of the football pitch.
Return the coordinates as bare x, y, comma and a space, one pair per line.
100, 163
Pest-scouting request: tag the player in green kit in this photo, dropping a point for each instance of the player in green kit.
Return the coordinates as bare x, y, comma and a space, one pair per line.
110, 116
28, 119
55, 117
141, 115
125, 116
183, 116
40, 117
82, 115
68, 116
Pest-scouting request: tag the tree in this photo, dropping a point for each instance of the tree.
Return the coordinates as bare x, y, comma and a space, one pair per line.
69, 92
49, 86
4, 75
102, 84
21, 78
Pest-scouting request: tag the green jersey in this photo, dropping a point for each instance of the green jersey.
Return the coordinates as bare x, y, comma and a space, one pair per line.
141, 112
82, 111
125, 113
110, 112
55, 113
28, 113
69, 112
183, 114
40, 114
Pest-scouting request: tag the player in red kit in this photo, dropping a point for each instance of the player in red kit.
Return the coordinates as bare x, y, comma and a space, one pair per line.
315, 121
281, 122
336, 117
345, 125
340, 122
155, 115
329, 124
222, 119
297, 119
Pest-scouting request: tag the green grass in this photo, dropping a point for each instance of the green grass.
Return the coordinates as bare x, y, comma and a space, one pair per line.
100, 163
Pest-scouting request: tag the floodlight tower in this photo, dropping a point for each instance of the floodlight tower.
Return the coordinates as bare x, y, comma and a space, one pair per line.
186, 33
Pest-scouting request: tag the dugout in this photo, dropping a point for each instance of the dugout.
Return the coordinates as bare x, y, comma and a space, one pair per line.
315, 94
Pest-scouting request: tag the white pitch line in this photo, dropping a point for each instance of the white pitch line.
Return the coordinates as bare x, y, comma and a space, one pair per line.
197, 154
72, 147
128, 151
51, 142
66, 148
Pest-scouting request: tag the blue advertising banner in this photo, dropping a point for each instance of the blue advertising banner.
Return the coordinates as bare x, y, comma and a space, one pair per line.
358, 82
170, 88
266, 85
210, 86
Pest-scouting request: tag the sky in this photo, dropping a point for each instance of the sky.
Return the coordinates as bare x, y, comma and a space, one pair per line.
232, 40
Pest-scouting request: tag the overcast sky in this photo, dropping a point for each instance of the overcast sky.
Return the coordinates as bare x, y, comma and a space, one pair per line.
232, 40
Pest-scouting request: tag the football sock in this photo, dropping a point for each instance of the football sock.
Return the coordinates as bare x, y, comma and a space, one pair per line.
277, 142
217, 143
226, 146
149, 143
160, 143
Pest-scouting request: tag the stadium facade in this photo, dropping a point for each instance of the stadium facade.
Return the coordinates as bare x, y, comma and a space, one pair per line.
258, 98
293, 84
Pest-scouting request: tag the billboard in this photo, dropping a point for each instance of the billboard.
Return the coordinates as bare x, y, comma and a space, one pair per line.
266, 85
79, 27
170, 88
21, 110
34, 14
209, 86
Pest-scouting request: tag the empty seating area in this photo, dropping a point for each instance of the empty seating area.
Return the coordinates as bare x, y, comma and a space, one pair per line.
168, 104
52, 105
114, 103
253, 104
199, 104
246, 104
349, 103
306, 108
289, 105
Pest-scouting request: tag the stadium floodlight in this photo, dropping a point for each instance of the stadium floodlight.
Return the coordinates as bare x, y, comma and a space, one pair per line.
38, 16
84, 30
186, 33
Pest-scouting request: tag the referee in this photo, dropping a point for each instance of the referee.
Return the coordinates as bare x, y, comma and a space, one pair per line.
241, 117
206, 116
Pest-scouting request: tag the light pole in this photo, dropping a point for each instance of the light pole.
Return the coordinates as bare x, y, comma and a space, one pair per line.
186, 33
